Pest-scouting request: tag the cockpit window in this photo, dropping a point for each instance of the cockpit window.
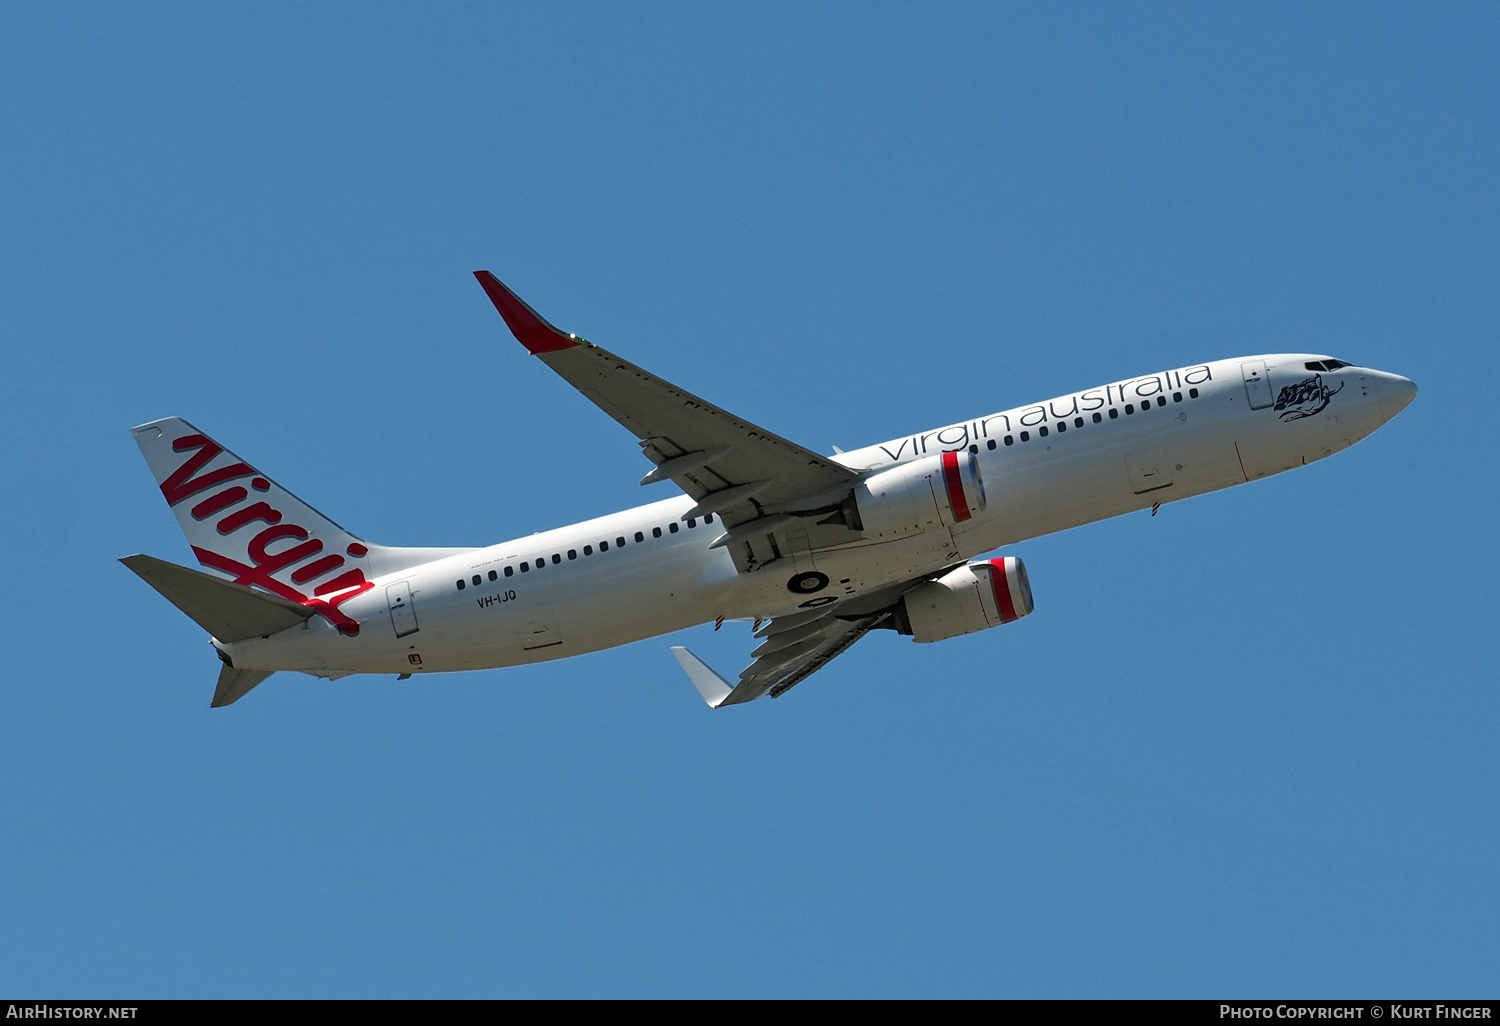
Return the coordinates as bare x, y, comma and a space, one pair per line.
1325, 365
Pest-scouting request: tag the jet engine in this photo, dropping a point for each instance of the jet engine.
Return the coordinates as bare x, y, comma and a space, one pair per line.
942, 489
972, 598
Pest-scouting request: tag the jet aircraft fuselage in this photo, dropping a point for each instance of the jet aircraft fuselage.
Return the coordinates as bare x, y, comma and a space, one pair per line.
865, 545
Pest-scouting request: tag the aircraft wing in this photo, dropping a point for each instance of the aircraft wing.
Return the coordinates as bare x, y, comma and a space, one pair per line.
796, 645
732, 467
795, 648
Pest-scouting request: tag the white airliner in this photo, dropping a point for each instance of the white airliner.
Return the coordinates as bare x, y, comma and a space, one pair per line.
815, 550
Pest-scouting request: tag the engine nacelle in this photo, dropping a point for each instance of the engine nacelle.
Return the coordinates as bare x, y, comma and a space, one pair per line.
942, 489
972, 598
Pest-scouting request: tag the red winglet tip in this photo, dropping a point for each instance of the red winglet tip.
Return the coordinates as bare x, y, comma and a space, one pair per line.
530, 329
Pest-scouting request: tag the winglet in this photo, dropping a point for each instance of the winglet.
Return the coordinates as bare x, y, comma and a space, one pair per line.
710, 685
529, 327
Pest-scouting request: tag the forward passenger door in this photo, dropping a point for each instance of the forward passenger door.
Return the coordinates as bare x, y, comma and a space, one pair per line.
1257, 384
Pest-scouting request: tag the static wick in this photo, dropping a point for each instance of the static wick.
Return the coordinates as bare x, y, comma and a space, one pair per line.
1154, 507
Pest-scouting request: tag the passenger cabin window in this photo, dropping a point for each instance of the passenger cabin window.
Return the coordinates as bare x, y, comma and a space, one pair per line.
692, 522
974, 447
619, 543
1114, 414
639, 536
672, 527
1192, 393
510, 571
1161, 400
1097, 418
656, 532
556, 558
460, 584
1078, 422
494, 576
588, 550
477, 579
708, 518
1042, 430
1010, 440
572, 553
990, 444
1025, 436
604, 546
525, 566
1177, 397
1129, 409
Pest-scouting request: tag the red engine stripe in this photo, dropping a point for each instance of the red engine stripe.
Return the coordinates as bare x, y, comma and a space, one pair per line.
1000, 581
955, 485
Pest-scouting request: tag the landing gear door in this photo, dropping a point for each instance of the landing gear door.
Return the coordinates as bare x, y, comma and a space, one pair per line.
1257, 384
403, 612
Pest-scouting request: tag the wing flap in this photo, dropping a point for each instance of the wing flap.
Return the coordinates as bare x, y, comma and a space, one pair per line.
781, 669
775, 672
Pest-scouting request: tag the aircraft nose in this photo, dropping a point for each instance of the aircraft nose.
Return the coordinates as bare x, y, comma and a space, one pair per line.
1396, 394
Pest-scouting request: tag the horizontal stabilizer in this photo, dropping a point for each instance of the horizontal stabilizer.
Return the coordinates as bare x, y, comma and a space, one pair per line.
228, 611
233, 684
710, 685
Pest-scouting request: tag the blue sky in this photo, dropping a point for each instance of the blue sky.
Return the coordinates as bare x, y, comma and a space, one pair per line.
1244, 748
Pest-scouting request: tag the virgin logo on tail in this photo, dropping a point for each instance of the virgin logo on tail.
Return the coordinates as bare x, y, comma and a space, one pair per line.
297, 551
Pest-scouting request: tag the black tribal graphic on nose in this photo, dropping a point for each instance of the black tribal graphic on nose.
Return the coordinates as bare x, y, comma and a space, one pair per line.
1293, 400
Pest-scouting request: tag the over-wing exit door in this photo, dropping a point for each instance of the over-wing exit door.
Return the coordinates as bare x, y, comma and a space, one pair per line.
403, 613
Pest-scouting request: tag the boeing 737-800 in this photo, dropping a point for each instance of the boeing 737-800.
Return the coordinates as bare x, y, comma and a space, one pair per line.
815, 550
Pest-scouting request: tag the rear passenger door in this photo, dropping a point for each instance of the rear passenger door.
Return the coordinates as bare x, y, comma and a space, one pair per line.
403, 612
